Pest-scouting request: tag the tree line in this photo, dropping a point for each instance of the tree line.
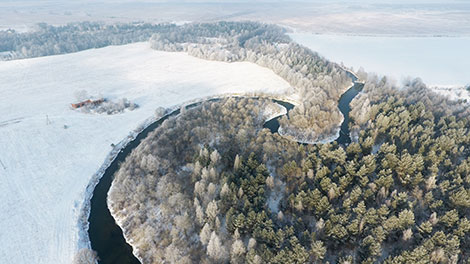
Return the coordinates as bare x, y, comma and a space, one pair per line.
52, 40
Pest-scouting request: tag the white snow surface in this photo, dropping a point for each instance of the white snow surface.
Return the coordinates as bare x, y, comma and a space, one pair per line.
453, 92
45, 168
397, 17
439, 61
273, 110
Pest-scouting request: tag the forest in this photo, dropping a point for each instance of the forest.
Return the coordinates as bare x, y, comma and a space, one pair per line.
213, 186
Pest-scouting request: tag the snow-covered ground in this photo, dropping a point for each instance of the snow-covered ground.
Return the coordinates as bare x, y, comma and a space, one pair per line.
439, 61
453, 92
45, 167
274, 110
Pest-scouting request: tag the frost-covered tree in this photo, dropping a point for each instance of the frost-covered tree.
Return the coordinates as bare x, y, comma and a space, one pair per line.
205, 234
215, 248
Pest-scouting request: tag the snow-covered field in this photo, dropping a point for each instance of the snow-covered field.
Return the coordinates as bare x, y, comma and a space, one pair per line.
396, 17
45, 167
439, 61
453, 92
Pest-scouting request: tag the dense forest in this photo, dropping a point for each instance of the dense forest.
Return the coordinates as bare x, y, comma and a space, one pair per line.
212, 186
160, 202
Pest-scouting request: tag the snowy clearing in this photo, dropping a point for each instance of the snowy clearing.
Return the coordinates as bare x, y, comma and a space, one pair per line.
45, 167
274, 110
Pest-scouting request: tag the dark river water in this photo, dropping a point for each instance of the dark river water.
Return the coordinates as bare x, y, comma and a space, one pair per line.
343, 105
273, 124
106, 236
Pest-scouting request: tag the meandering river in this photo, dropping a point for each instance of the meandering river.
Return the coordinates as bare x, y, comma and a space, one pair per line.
106, 236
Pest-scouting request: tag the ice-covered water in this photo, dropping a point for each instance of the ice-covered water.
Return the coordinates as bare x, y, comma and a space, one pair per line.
441, 61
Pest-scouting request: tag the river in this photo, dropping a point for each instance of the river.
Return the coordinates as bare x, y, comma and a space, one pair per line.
106, 237
343, 105
273, 124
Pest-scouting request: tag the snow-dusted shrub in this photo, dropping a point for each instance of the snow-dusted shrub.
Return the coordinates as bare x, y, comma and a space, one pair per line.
109, 107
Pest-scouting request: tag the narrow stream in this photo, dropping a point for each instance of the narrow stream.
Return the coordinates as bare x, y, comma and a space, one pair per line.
344, 106
273, 124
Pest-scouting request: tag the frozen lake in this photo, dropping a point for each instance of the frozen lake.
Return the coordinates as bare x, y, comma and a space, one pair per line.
440, 61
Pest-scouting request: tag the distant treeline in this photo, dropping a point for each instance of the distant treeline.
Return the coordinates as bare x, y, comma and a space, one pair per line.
53, 40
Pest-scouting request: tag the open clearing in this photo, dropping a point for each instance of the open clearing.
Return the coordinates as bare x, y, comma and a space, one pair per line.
45, 168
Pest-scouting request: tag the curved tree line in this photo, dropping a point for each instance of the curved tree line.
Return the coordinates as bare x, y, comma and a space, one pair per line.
48, 40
